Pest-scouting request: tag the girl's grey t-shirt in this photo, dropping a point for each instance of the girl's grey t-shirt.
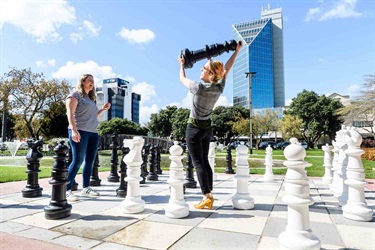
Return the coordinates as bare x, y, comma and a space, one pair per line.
205, 95
86, 114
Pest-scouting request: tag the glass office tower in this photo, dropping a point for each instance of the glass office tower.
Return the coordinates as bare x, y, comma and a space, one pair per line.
262, 54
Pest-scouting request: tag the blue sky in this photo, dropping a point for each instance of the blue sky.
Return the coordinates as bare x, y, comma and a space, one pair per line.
328, 45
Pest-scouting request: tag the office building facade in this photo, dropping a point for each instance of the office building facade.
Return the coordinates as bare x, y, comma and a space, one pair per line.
263, 54
124, 103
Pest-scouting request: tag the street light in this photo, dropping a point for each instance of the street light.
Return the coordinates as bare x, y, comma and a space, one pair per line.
252, 75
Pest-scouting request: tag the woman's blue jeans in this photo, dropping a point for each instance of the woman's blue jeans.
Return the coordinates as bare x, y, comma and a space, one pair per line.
83, 151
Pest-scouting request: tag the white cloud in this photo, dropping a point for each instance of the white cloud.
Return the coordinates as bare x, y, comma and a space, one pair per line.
288, 102
87, 29
40, 19
49, 63
339, 9
146, 111
72, 71
137, 36
223, 101
147, 91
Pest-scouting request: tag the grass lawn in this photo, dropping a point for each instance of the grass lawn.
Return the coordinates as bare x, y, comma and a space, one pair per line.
14, 169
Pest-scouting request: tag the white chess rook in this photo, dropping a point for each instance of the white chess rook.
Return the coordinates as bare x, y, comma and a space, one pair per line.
342, 190
298, 234
327, 178
211, 159
356, 207
268, 175
176, 207
242, 198
133, 202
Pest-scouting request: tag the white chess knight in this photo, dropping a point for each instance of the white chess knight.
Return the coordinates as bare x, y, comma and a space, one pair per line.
211, 159
242, 198
176, 207
356, 206
133, 202
298, 234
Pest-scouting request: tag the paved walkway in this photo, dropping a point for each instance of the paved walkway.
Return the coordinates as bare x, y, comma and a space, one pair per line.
100, 224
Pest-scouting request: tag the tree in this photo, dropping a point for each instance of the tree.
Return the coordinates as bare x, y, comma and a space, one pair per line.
29, 95
179, 120
319, 115
362, 108
55, 121
160, 123
291, 127
223, 119
263, 123
121, 126
9, 133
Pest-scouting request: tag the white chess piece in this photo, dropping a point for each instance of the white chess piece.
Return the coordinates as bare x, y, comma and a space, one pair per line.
176, 207
242, 198
211, 159
268, 175
327, 178
298, 234
133, 202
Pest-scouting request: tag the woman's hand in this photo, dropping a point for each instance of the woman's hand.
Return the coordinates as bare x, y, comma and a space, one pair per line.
239, 46
106, 106
181, 61
76, 137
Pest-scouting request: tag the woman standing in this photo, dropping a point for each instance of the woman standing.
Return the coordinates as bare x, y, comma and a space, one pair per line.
82, 115
198, 130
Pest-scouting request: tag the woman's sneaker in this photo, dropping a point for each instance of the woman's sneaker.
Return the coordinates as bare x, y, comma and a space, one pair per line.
89, 192
70, 196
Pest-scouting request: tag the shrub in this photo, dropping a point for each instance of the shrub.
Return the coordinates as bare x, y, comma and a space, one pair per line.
369, 154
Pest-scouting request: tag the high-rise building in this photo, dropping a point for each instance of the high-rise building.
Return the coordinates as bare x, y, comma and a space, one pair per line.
262, 54
124, 103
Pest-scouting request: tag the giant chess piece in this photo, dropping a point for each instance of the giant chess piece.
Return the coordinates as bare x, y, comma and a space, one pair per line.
207, 52
113, 175
122, 189
176, 207
158, 160
152, 175
94, 178
190, 182
133, 202
335, 150
342, 188
356, 206
268, 175
33, 157
228, 159
211, 159
298, 234
58, 207
327, 178
242, 198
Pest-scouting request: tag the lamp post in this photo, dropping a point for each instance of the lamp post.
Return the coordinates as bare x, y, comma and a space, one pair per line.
251, 75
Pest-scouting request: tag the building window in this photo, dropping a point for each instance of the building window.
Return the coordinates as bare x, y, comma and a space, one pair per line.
362, 124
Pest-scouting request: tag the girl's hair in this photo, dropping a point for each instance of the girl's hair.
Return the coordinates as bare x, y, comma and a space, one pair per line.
217, 69
80, 89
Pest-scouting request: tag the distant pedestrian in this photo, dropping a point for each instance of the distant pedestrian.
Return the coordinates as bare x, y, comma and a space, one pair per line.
83, 115
199, 130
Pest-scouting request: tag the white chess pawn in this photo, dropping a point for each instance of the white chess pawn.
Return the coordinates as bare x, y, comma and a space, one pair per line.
176, 207
268, 175
327, 178
242, 198
298, 234
211, 159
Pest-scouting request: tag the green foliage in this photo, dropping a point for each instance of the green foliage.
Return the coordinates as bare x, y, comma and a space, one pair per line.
223, 119
11, 121
179, 120
28, 95
121, 126
160, 124
318, 114
291, 127
55, 121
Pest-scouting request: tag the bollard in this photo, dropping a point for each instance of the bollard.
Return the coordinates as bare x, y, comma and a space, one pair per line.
189, 180
58, 207
113, 175
33, 157
122, 190
228, 159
